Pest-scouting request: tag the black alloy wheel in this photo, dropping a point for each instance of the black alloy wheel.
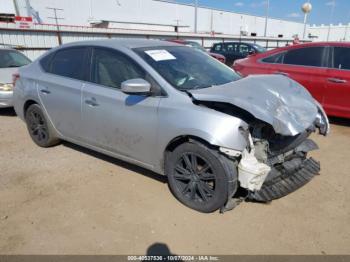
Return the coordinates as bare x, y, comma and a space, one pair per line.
198, 176
38, 127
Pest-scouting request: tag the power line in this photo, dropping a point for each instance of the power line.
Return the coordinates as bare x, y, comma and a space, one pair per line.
55, 17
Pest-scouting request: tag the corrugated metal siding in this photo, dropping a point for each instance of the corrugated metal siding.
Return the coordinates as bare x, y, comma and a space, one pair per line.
33, 41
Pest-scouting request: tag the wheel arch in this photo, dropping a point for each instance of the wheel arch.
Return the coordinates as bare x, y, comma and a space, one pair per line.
27, 104
175, 142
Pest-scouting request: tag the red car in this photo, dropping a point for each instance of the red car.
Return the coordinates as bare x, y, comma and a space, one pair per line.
194, 44
322, 67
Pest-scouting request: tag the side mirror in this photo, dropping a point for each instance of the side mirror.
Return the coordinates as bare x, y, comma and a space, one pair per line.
136, 86
251, 52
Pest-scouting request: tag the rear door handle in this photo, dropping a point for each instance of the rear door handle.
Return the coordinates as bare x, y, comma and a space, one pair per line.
91, 102
281, 73
45, 91
337, 80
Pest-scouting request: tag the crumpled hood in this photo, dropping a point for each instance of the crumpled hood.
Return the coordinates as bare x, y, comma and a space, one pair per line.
280, 101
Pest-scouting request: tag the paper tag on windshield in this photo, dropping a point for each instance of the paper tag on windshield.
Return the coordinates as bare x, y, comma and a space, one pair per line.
160, 55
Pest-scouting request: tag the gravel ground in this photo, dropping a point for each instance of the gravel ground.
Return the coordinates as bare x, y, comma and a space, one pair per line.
69, 200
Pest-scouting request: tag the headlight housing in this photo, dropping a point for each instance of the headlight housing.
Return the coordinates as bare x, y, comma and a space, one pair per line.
6, 87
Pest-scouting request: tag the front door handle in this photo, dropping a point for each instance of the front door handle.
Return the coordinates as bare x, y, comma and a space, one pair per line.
337, 80
281, 73
91, 102
45, 91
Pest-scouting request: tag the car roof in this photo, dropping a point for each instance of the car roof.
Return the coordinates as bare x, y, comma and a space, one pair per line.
125, 42
301, 45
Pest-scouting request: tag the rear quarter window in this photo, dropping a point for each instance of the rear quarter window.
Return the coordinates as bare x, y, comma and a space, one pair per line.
217, 47
45, 62
274, 59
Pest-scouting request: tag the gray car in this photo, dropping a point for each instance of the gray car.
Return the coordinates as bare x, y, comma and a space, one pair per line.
10, 60
177, 111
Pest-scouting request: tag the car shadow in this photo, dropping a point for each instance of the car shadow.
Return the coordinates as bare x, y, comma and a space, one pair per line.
115, 161
161, 249
339, 121
7, 111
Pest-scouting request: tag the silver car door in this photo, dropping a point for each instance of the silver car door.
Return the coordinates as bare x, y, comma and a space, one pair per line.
60, 91
114, 121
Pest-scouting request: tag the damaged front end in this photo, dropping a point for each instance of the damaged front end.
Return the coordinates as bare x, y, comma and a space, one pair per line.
286, 160
272, 165
281, 115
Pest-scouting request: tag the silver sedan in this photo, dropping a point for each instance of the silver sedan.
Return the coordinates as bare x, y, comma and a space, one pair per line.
10, 60
176, 111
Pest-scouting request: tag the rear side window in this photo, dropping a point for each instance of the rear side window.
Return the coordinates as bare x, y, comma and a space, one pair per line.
341, 58
310, 56
232, 48
111, 68
274, 59
69, 63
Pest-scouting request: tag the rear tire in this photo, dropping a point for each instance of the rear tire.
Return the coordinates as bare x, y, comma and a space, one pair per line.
198, 176
39, 128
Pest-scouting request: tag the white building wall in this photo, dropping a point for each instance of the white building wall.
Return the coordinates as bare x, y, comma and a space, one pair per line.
160, 12
337, 32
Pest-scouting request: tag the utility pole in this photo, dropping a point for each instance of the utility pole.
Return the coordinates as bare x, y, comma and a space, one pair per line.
15, 4
267, 16
330, 20
195, 15
56, 18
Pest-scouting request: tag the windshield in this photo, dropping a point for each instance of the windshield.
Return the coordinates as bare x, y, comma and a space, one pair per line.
260, 48
12, 58
187, 68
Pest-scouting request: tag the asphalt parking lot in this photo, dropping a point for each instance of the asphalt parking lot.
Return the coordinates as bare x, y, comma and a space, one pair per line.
69, 200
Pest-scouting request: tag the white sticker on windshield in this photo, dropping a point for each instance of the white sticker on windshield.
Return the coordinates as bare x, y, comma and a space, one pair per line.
160, 55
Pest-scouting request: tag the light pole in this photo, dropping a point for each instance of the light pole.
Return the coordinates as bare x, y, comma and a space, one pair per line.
306, 8
267, 16
330, 20
346, 28
195, 15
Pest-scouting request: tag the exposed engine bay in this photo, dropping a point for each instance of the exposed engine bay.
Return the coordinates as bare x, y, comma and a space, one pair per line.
272, 165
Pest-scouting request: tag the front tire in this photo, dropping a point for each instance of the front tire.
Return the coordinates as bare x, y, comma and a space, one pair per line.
198, 176
39, 128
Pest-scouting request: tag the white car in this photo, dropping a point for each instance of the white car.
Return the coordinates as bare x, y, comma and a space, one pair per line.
10, 60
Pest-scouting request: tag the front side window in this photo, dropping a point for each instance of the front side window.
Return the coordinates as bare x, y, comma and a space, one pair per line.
185, 68
309, 56
69, 63
12, 58
111, 68
341, 58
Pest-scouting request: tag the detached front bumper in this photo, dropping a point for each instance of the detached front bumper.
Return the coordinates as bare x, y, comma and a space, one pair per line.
6, 99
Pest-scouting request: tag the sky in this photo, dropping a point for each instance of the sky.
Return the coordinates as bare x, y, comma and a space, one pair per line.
286, 9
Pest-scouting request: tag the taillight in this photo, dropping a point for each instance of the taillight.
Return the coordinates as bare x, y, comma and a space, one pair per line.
15, 77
